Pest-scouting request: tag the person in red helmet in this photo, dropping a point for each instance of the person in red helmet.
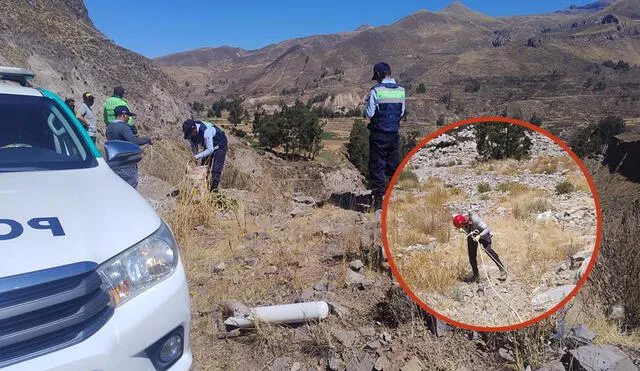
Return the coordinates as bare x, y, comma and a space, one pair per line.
477, 231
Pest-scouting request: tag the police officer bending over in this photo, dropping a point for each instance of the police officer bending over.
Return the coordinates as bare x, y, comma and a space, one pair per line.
214, 142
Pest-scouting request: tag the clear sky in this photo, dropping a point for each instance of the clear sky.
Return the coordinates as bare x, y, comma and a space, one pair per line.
158, 27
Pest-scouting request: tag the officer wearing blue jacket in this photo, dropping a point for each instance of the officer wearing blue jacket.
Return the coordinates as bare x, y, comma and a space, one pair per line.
214, 141
385, 109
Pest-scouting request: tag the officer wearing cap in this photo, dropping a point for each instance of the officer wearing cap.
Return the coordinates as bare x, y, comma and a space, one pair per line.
119, 129
214, 141
114, 101
86, 116
385, 109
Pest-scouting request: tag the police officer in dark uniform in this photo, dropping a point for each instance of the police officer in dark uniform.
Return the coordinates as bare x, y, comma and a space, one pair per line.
214, 141
385, 109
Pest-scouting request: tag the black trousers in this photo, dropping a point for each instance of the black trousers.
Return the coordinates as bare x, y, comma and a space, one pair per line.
216, 164
472, 247
383, 160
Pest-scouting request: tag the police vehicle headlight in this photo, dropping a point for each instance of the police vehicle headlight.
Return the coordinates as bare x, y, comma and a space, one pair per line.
141, 266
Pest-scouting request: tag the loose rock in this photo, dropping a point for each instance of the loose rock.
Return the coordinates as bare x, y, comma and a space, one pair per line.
356, 265
602, 357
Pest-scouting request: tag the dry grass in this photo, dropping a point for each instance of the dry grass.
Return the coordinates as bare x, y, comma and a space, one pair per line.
579, 181
529, 248
435, 271
163, 158
422, 216
526, 247
503, 167
512, 188
524, 205
545, 165
549, 165
407, 180
234, 178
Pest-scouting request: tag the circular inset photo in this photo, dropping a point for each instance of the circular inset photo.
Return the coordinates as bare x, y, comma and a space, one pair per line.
491, 224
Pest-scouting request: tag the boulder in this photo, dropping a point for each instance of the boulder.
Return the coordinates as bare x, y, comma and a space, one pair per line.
550, 298
346, 338
356, 265
363, 363
581, 334
552, 366
413, 364
602, 357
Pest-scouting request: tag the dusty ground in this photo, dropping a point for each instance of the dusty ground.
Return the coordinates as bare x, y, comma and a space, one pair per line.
257, 244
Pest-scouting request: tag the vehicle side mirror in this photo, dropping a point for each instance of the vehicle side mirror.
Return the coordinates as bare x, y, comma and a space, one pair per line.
121, 153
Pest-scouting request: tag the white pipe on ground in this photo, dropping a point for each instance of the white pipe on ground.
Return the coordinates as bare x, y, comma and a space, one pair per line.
282, 314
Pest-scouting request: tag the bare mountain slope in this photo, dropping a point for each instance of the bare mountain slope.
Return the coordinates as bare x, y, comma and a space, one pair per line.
58, 41
543, 63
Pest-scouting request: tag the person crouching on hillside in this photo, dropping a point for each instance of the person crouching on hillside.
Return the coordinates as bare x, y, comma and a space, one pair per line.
477, 231
214, 142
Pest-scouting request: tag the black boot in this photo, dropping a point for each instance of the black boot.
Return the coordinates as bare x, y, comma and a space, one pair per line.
377, 202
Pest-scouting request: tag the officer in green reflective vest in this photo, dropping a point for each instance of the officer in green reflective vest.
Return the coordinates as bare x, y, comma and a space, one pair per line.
385, 109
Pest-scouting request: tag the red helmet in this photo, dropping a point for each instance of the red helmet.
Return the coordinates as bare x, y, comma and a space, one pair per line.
459, 221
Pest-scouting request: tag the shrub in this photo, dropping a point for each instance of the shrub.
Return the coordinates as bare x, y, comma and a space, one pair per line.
484, 187
407, 142
618, 265
564, 187
421, 89
408, 178
594, 137
512, 188
446, 100
440, 121
358, 147
500, 140
238, 132
297, 129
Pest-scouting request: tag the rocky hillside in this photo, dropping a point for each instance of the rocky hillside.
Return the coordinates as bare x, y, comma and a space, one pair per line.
58, 41
470, 64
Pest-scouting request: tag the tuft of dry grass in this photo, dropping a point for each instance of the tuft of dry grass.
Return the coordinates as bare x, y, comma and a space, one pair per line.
504, 167
579, 181
522, 206
545, 165
512, 188
434, 271
422, 217
232, 177
163, 158
407, 179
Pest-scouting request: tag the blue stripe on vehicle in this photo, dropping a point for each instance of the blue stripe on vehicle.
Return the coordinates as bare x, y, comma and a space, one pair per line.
74, 119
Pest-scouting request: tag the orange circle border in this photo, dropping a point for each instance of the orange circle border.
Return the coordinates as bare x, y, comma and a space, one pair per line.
443, 130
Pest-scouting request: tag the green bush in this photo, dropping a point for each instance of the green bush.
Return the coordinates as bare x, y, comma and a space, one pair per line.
358, 147
421, 89
592, 139
500, 140
564, 187
484, 187
407, 175
297, 129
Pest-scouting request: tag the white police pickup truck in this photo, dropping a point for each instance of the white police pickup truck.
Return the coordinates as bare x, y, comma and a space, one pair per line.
90, 275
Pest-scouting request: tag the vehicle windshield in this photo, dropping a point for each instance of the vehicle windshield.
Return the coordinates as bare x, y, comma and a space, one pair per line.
35, 134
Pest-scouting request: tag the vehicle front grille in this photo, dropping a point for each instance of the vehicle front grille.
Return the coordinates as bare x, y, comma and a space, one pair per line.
48, 310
